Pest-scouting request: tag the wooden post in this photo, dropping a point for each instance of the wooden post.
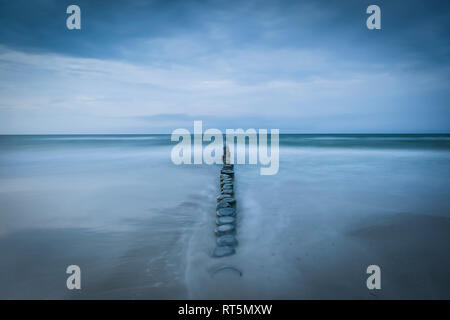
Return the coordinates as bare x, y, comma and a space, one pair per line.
226, 155
226, 210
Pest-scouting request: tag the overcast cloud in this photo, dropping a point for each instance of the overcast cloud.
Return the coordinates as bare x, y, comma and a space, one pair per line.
153, 66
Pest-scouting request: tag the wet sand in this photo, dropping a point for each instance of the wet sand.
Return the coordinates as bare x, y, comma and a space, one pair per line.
143, 229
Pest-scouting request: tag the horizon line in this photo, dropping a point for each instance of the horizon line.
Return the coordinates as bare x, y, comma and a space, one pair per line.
281, 133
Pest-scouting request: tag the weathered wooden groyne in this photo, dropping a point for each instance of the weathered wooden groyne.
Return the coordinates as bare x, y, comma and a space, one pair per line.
226, 210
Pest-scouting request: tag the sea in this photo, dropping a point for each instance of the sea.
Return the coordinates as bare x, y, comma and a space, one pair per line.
141, 227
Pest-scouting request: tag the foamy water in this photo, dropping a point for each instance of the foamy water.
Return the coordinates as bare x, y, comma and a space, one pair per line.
141, 227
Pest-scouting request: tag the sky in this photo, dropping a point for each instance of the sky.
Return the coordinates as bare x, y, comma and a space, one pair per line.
153, 66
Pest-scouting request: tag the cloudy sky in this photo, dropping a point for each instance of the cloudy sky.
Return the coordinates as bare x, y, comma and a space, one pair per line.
153, 66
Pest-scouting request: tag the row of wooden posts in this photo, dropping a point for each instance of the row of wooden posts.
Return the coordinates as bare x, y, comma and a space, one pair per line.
226, 210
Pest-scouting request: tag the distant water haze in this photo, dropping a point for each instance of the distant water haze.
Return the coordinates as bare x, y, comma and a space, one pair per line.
141, 227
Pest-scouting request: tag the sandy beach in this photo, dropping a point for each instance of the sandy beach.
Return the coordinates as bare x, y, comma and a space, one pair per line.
142, 228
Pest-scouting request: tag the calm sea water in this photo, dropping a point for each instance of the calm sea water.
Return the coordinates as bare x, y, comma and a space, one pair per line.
141, 227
